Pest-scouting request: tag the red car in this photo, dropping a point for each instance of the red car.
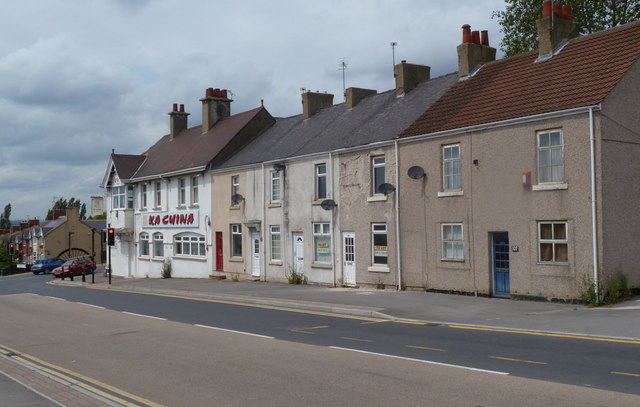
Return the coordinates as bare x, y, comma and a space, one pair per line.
77, 266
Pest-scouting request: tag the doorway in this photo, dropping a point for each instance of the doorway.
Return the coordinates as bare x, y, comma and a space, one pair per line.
349, 258
298, 252
255, 254
219, 257
500, 250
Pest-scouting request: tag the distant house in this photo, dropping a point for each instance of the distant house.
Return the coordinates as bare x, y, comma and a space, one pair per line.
159, 202
531, 167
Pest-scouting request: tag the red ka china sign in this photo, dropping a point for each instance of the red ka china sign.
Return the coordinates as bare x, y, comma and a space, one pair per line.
170, 219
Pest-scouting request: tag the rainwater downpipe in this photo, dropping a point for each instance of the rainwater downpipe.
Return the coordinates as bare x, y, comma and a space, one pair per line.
397, 180
594, 228
331, 225
263, 226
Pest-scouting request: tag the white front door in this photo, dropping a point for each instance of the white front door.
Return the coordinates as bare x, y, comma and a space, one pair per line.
298, 252
255, 254
349, 257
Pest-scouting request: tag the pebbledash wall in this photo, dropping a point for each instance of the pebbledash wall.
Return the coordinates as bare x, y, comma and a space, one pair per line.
165, 228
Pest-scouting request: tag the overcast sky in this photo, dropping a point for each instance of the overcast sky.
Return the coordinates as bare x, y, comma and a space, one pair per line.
81, 77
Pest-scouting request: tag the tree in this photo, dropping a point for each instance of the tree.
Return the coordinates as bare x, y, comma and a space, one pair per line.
72, 202
5, 223
83, 211
518, 20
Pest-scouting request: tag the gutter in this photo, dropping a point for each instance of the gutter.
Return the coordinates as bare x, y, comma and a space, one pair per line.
201, 168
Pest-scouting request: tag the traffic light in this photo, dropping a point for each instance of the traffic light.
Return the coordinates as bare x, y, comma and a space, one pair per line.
12, 249
111, 237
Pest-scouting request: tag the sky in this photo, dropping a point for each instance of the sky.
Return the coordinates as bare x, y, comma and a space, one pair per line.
79, 78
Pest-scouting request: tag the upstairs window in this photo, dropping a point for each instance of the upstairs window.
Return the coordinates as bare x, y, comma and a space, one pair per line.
377, 173
143, 196
451, 168
195, 199
122, 197
158, 195
235, 186
321, 181
275, 186
550, 156
182, 191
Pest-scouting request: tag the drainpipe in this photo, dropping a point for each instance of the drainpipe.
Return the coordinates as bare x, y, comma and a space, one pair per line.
333, 249
397, 181
263, 227
594, 228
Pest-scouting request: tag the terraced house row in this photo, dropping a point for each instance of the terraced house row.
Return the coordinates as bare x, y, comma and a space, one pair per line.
514, 177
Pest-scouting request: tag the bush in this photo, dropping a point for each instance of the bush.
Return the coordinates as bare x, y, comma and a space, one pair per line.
294, 277
616, 288
167, 269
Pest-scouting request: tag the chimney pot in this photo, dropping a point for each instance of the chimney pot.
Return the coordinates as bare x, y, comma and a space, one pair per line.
475, 37
175, 107
546, 9
557, 10
566, 13
208, 93
466, 33
181, 108
484, 37
223, 93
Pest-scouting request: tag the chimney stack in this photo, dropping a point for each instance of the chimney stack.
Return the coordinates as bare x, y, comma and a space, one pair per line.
355, 95
474, 50
177, 120
314, 101
408, 76
555, 26
215, 106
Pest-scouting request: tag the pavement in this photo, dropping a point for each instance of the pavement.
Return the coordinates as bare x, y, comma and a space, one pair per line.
615, 322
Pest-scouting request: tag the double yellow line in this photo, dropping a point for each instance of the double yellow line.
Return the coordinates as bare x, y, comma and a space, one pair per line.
91, 385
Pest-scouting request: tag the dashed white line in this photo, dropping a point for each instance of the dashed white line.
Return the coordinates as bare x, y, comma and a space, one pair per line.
422, 361
144, 316
56, 298
235, 332
90, 305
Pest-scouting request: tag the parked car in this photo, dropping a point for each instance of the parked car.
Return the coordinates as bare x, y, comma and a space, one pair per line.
77, 266
47, 265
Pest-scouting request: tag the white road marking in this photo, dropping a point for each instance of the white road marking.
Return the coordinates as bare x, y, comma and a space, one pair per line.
56, 298
145, 316
422, 361
235, 332
90, 305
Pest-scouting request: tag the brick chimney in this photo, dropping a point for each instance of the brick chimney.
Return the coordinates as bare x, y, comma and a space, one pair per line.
314, 101
215, 106
555, 26
408, 76
474, 50
177, 120
355, 95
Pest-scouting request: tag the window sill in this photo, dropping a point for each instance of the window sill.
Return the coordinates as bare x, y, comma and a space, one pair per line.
157, 208
549, 263
186, 257
443, 194
236, 259
158, 259
194, 206
378, 269
275, 205
550, 187
275, 263
453, 260
318, 201
321, 265
181, 207
234, 207
376, 198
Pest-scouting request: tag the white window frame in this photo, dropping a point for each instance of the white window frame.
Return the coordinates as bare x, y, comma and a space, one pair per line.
554, 242
236, 239
276, 243
321, 235
144, 244
379, 229
158, 245
190, 245
195, 197
275, 186
377, 162
157, 198
451, 245
235, 186
449, 173
182, 191
119, 197
143, 196
546, 160
320, 181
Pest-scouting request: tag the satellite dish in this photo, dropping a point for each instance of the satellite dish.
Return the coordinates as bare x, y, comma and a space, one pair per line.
386, 188
328, 204
416, 172
237, 198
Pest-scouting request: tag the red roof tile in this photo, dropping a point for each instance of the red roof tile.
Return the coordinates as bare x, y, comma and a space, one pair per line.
581, 74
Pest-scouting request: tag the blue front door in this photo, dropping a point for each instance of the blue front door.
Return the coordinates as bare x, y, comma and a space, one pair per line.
501, 264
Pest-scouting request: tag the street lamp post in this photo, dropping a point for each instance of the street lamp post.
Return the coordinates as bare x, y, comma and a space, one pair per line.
70, 272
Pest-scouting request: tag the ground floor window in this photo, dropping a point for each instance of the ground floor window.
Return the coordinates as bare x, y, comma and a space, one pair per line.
158, 245
276, 244
322, 242
379, 246
452, 241
553, 242
190, 245
236, 240
144, 244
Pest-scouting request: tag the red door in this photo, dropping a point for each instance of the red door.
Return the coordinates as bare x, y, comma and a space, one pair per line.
219, 262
